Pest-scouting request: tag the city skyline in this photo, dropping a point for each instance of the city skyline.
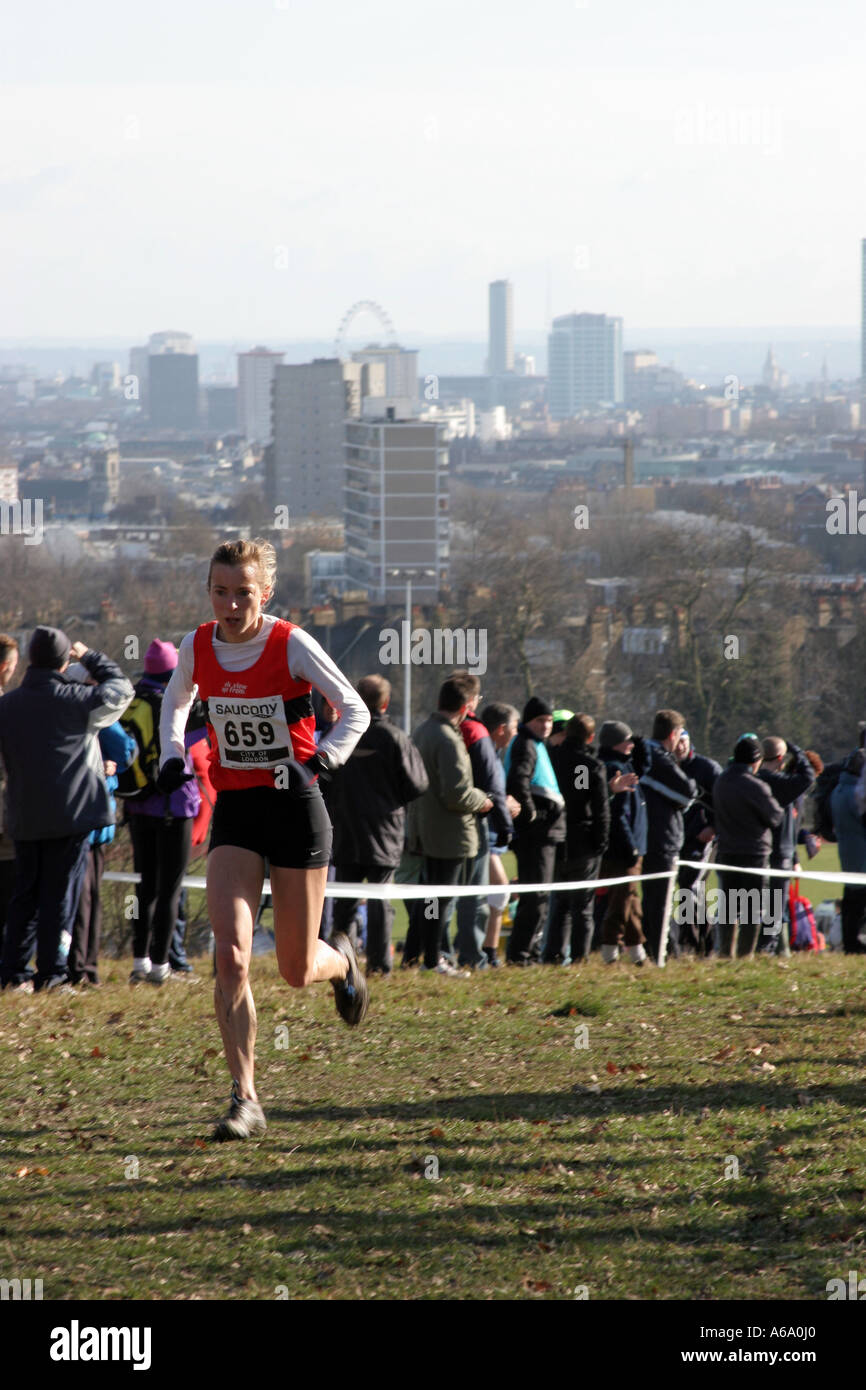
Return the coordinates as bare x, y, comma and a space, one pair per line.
268, 164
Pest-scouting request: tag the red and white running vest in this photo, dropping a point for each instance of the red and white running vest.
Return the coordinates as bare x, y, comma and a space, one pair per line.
256, 719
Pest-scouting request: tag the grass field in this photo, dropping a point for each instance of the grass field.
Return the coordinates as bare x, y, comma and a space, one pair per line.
705, 1142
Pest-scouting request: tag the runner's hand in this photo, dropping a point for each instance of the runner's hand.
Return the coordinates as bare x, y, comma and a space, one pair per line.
173, 775
316, 766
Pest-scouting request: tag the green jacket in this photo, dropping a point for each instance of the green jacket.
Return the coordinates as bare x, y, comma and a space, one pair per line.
442, 820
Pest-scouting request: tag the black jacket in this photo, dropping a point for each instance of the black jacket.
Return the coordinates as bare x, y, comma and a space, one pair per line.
787, 787
542, 815
583, 782
746, 815
667, 790
700, 815
369, 793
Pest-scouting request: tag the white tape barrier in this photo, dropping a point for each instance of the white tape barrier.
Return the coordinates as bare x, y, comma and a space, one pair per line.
409, 891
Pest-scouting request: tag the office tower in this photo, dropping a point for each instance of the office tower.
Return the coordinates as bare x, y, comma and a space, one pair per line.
173, 381
255, 383
221, 408
584, 363
396, 508
305, 463
401, 368
500, 338
139, 358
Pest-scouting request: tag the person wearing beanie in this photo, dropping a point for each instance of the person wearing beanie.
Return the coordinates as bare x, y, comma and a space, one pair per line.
613, 732
160, 659
539, 826
56, 795
746, 814
560, 721
160, 827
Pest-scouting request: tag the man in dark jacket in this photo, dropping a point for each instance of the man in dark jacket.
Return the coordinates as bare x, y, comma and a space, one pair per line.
623, 918
56, 793
746, 813
699, 832
668, 791
472, 913
787, 787
368, 799
539, 828
582, 780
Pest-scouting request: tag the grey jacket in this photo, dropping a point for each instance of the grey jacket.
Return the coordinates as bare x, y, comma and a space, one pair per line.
442, 820
48, 742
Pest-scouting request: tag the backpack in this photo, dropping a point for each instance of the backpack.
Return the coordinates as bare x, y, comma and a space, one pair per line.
822, 811
141, 719
804, 932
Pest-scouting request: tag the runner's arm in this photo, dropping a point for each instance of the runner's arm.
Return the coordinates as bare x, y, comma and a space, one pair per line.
310, 662
177, 702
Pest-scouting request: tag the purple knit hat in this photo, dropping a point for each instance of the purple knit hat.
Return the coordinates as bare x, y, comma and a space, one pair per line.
160, 658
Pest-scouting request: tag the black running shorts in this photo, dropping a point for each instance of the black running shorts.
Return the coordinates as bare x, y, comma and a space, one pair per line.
290, 829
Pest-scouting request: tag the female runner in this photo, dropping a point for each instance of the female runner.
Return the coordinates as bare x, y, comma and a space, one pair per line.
255, 674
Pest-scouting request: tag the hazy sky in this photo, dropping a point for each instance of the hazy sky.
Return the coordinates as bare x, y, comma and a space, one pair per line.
247, 169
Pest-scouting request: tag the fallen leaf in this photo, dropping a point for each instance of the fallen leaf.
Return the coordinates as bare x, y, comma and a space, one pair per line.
199, 1143
535, 1285
612, 1068
436, 1133
96, 1053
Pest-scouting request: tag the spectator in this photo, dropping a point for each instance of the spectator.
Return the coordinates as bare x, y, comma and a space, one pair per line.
473, 913
582, 780
787, 787
699, 832
56, 794
558, 728
623, 918
368, 799
668, 792
746, 815
8, 663
118, 748
532, 782
851, 840
160, 826
442, 820
500, 722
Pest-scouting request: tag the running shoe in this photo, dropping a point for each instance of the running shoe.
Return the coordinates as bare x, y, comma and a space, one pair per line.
244, 1119
351, 995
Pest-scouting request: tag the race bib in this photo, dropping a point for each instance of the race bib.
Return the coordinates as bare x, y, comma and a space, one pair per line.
251, 733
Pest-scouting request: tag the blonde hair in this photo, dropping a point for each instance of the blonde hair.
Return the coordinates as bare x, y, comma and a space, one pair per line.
258, 552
